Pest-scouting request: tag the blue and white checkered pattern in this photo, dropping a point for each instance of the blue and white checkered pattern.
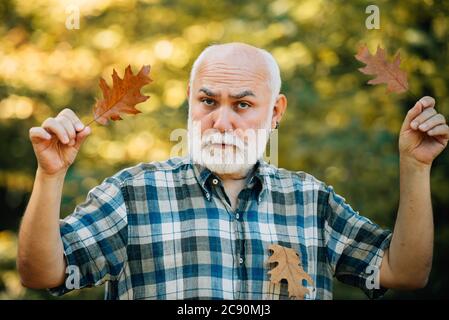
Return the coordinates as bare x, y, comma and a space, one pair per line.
163, 230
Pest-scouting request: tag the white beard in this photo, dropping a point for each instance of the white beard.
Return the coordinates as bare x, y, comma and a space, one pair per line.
236, 156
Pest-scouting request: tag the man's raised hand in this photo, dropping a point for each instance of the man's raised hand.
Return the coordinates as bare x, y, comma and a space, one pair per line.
424, 133
57, 142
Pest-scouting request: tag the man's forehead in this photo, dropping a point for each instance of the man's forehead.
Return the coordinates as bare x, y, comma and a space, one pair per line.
235, 59
233, 69
232, 89
218, 76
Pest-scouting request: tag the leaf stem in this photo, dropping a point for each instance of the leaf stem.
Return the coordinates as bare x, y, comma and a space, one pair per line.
95, 118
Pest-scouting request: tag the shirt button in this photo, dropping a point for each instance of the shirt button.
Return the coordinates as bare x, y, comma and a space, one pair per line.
237, 216
241, 260
215, 181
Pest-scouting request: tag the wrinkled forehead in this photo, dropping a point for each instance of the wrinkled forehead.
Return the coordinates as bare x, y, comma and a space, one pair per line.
233, 70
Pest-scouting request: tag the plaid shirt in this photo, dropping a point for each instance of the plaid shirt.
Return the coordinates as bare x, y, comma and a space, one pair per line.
166, 230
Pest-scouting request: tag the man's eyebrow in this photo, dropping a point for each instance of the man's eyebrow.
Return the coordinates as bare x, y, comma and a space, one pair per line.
234, 96
242, 94
208, 92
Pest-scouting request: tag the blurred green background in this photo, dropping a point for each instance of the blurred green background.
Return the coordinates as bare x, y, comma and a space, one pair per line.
337, 128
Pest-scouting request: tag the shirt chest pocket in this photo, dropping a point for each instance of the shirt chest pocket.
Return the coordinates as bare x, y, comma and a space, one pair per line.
261, 241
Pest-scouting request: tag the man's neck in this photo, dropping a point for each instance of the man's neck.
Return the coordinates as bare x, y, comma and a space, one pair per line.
232, 176
232, 188
234, 183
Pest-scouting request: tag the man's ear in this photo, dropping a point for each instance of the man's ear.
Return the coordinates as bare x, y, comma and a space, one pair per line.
279, 109
188, 91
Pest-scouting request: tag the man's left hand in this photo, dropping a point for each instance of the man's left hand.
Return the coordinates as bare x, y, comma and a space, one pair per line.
424, 133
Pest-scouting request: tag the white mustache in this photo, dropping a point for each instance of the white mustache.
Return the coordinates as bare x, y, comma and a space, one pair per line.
223, 138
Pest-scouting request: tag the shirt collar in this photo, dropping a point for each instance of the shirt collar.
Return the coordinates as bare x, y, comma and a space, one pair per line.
258, 178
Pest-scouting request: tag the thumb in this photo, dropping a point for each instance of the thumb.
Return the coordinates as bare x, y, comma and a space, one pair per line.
412, 114
81, 136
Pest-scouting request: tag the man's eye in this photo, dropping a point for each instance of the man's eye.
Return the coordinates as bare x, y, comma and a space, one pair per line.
243, 105
208, 102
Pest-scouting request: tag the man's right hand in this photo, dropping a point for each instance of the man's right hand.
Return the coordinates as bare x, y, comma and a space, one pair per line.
57, 142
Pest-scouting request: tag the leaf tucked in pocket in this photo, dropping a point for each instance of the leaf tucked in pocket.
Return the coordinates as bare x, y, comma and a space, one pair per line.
288, 268
123, 96
385, 72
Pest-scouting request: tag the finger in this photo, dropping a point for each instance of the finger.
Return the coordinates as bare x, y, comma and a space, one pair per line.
55, 127
66, 117
412, 114
81, 136
421, 104
69, 128
427, 102
38, 133
440, 130
432, 122
422, 117
74, 118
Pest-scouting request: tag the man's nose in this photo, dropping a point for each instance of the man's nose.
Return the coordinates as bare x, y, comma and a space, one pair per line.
222, 119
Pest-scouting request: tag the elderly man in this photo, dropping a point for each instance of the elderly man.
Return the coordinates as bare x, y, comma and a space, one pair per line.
199, 227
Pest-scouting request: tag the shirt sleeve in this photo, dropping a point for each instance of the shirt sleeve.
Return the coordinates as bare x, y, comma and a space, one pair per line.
355, 246
94, 237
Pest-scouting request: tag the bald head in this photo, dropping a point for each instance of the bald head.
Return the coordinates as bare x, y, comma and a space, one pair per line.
259, 63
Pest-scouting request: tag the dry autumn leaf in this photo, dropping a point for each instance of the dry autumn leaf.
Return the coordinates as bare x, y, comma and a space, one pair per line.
385, 72
288, 268
122, 97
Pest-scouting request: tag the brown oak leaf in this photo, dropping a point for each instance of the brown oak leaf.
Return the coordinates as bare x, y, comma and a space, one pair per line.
385, 72
122, 97
288, 268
